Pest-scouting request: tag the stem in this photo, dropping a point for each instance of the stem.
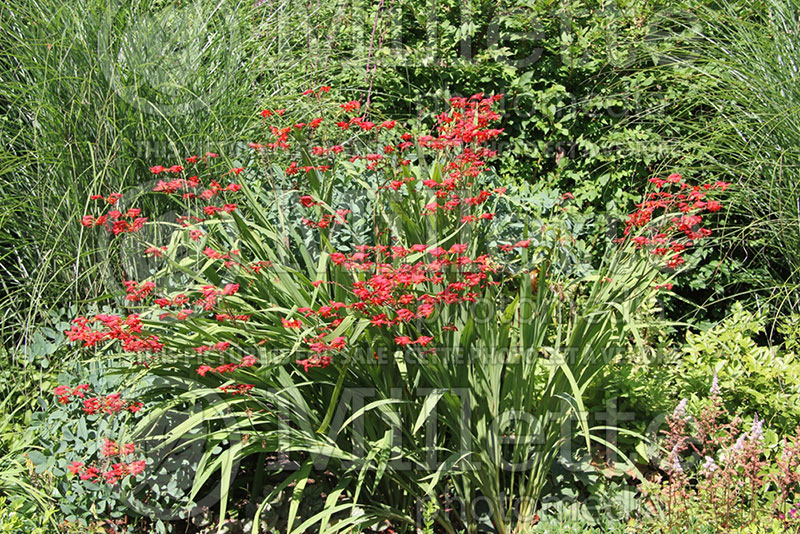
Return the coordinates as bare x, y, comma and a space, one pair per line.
371, 73
337, 390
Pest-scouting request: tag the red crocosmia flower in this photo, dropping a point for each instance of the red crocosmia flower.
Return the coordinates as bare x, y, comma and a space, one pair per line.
117, 471
351, 106
403, 340
230, 289
137, 292
75, 467
63, 393
203, 369
405, 314
291, 323
192, 159
523, 244
248, 361
135, 468
80, 388
437, 252
176, 169
155, 251
337, 343
120, 227
399, 252
226, 368
722, 186
157, 169
109, 448
211, 155
379, 320
307, 201
90, 474
423, 340
237, 389
317, 283
675, 261
137, 224
237, 170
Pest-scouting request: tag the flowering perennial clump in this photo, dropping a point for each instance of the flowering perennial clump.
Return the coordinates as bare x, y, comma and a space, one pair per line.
116, 460
109, 404
405, 291
108, 472
678, 215
728, 475
102, 327
391, 284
